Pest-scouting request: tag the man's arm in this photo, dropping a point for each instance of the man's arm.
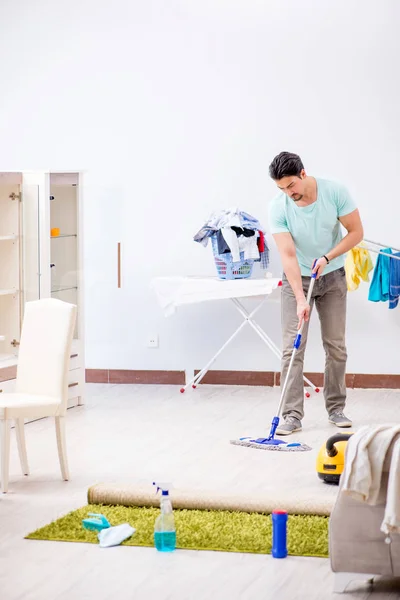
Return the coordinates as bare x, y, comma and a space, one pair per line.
355, 234
291, 268
287, 251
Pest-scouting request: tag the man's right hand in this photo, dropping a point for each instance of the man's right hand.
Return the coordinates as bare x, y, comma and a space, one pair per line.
303, 311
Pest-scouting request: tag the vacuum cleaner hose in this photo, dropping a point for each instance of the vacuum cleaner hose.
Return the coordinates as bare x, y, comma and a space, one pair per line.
338, 437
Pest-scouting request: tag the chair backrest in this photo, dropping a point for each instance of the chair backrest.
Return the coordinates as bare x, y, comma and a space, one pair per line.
45, 349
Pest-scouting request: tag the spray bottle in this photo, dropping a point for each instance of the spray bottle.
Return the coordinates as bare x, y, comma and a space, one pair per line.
164, 527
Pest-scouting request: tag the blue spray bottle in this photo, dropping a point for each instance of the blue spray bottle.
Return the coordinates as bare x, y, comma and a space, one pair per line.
164, 527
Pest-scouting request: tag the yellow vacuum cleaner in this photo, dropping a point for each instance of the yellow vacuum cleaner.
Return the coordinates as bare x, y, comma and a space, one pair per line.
330, 460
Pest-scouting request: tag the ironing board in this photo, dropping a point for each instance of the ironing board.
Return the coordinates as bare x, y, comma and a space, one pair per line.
173, 292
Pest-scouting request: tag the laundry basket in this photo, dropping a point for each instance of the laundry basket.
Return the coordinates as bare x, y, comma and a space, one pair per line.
226, 268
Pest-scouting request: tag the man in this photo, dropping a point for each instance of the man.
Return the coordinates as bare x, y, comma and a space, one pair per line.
305, 220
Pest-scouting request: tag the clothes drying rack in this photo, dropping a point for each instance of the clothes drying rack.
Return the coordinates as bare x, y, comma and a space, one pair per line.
381, 246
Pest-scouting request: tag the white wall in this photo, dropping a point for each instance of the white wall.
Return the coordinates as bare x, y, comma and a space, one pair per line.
175, 109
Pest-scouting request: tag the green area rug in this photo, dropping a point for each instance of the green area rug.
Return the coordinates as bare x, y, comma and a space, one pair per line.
198, 530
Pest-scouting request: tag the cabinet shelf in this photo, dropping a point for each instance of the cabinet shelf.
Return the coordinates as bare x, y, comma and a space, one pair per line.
63, 235
7, 359
8, 292
3, 238
64, 289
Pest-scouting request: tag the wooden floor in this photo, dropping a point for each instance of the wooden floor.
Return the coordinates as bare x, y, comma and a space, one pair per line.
127, 433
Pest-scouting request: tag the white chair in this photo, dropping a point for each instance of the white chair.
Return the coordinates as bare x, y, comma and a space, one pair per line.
42, 379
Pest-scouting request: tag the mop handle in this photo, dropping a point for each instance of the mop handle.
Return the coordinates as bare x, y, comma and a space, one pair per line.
297, 340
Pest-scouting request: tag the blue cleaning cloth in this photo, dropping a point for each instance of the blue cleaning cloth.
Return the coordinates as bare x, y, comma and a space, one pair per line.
380, 285
394, 277
385, 284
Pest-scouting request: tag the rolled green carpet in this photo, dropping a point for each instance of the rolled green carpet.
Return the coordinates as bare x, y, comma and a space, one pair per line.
318, 501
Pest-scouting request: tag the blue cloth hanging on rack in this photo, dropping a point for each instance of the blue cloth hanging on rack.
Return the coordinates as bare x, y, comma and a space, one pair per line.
394, 277
379, 288
385, 284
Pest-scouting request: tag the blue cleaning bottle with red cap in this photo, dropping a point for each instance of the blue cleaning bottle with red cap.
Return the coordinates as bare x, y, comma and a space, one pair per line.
279, 533
164, 527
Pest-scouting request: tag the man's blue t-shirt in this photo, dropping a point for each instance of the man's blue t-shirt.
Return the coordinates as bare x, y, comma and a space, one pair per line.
315, 228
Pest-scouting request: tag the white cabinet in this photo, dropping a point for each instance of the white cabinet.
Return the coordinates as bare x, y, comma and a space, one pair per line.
64, 207
41, 257
19, 239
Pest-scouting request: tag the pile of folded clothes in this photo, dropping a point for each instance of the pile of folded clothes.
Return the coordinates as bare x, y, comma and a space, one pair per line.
236, 232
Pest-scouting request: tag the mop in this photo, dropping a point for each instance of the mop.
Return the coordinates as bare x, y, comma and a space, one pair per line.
271, 443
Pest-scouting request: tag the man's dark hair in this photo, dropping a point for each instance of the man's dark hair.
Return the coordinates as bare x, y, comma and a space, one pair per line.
285, 164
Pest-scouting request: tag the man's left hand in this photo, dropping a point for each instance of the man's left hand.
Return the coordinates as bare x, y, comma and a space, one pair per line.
319, 267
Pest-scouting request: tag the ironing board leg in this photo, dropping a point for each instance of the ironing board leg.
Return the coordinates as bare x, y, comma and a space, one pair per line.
199, 376
247, 319
271, 345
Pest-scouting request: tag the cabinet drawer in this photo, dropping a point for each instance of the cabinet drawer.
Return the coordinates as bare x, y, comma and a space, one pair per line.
75, 376
74, 390
74, 361
76, 384
7, 386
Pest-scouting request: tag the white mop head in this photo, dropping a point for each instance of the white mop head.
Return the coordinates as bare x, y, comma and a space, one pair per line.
278, 448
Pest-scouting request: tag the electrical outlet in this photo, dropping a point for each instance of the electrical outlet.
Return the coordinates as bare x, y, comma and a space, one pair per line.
152, 341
